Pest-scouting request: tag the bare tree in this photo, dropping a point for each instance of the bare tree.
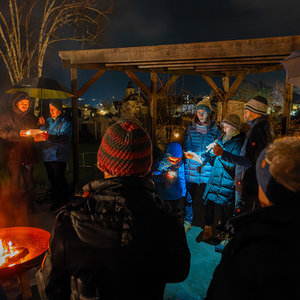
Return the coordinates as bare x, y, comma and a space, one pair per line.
29, 27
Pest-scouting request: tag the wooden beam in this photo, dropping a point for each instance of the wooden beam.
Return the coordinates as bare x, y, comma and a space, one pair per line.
153, 107
214, 87
139, 83
75, 129
88, 84
235, 86
168, 84
206, 50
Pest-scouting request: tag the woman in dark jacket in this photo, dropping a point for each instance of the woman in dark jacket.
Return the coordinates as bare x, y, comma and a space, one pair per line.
121, 242
219, 190
20, 152
261, 260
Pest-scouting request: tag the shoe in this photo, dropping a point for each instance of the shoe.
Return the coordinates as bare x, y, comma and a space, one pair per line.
207, 235
187, 226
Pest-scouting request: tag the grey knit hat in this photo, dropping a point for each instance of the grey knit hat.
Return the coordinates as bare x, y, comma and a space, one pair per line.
258, 105
57, 103
232, 120
205, 105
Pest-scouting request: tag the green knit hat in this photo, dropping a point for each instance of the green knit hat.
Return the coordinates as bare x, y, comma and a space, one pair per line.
204, 105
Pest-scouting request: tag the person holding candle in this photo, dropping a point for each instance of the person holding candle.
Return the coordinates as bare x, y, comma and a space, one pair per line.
19, 151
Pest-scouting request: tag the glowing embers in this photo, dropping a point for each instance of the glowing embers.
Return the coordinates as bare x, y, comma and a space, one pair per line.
11, 255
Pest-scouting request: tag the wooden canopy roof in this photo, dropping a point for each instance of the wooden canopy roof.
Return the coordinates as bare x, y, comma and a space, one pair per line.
235, 58
221, 58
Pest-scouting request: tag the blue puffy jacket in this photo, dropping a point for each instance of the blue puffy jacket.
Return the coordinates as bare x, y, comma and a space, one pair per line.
56, 147
169, 187
220, 186
195, 141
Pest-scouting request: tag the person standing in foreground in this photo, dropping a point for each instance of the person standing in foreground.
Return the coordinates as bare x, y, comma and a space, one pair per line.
56, 142
20, 153
258, 138
120, 241
202, 132
261, 260
219, 190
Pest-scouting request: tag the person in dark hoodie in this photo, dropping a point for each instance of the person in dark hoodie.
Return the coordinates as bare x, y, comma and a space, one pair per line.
260, 135
261, 260
121, 242
19, 150
168, 175
219, 191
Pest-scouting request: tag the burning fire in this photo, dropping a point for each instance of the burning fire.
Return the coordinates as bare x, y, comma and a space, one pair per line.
10, 254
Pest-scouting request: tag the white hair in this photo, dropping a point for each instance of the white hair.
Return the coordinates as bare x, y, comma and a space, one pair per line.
284, 159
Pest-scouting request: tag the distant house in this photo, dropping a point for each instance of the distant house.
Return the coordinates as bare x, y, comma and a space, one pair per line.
134, 105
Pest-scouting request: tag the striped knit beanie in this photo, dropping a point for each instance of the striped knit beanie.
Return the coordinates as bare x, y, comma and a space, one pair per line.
258, 105
125, 150
232, 120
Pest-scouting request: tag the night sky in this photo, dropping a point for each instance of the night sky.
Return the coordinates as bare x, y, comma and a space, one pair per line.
158, 22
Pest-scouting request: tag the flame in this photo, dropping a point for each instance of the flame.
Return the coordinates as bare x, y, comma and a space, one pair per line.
7, 250
28, 132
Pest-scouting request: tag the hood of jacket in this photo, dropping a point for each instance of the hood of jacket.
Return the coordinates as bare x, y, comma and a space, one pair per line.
15, 108
115, 209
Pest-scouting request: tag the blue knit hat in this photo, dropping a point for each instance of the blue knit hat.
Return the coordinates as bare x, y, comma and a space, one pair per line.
174, 149
204, 105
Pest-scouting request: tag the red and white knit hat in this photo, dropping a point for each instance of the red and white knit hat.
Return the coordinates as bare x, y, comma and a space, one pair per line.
125, 150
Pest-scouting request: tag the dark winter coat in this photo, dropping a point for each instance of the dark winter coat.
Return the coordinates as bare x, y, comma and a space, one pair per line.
123, 244
258, 138
169, 188
18, 150
220, 186
197, 142
56, 147
262, 259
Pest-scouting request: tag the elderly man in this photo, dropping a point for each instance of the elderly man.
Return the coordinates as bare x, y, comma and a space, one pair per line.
259, 137
56, 142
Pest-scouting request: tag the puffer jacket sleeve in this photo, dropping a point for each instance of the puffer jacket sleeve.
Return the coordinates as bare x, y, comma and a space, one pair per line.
53, 279
181, 176
8, 132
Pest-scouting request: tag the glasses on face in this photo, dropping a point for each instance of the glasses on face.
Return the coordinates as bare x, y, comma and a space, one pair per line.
174, 160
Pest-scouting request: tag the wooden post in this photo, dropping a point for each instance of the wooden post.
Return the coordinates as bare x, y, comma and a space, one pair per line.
288, 99
225, 81
75, 128
153, 107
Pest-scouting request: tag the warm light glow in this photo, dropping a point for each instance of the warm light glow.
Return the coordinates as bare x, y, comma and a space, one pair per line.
7, 250
28, 132
171, 174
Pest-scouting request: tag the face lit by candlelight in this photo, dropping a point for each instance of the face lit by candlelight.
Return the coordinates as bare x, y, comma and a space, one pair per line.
54, 112
202, 115
174, 160
23, 105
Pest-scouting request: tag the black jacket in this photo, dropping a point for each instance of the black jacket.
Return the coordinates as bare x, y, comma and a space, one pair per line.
258, 138
123, 243
18, 150
261, 261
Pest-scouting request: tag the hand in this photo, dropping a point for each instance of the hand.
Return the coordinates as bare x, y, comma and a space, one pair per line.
218, 150
188, 156
23, 133
41, 137
41, 121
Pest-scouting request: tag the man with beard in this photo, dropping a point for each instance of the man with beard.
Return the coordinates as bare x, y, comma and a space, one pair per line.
259, 137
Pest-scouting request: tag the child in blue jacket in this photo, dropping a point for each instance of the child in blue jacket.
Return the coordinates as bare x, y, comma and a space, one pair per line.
168, 176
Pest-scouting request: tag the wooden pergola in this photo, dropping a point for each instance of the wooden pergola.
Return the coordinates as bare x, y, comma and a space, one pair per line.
225, 59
